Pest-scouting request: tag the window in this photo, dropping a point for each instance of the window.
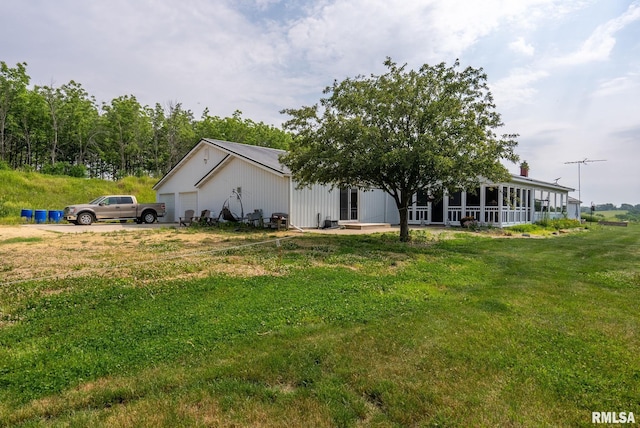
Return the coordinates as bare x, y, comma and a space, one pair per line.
473, 197
455, 199
422, 198
491, 196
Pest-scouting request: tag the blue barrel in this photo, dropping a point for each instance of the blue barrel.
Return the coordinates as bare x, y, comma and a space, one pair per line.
41, 216
27, 214
55, 216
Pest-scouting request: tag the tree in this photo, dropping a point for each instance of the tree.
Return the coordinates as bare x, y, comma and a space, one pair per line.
178, 131
126, 130
13, 84
80, 112
244, 131
402, 132
32, 117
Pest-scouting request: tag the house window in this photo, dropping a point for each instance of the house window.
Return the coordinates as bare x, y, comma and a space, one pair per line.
348, 204
422, 198
491, 196
473, 197
455, 199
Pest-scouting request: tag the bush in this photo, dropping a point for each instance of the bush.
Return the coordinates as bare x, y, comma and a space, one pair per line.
592, 218
79, 171
524, 228
563, 223
4, 209
65, 168
469, 222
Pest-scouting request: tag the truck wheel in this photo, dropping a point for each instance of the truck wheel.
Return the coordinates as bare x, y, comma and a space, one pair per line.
149, 217
85, 219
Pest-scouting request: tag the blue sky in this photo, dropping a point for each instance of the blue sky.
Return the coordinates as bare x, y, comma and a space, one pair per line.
565, 74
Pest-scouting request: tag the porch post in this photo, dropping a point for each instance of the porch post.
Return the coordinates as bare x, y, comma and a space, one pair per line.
463, 204
500, 203
483, 197
532, 205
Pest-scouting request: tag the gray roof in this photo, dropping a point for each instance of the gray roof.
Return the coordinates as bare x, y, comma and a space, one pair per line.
264, 156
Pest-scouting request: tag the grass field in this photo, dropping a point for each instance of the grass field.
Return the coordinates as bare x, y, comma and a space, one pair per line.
31, 190
361, 330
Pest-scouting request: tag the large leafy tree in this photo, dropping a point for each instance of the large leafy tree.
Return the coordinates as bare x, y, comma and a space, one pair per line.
433, 129
13, 84
126, 129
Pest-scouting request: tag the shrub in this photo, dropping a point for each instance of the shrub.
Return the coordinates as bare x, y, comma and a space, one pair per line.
524, 228
563, 223
592, 218
469, 222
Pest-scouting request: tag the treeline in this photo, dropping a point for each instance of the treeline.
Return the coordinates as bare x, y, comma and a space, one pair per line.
632, 212
63, 130
612, 207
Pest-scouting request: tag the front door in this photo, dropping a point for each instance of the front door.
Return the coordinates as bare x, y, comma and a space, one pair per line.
437, 211
348, 204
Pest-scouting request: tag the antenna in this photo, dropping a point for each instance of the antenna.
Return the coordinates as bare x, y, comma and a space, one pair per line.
580, 162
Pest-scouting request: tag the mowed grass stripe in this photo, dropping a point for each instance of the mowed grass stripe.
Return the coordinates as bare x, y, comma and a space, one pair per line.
467, 331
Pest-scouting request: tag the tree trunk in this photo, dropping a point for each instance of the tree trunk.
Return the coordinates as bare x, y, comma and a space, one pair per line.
404, 224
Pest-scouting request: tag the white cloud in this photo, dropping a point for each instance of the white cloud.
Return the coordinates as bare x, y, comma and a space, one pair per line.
602, 41
517, 87
522, 47
618, 85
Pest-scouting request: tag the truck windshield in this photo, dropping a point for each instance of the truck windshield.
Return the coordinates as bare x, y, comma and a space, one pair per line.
96, 201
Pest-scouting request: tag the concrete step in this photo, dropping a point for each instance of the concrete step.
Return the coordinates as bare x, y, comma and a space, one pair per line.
361, 226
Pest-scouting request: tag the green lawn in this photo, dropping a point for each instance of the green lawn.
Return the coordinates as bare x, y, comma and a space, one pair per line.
340, 331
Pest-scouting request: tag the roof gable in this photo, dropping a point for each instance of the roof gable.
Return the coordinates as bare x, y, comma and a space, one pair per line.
264, 156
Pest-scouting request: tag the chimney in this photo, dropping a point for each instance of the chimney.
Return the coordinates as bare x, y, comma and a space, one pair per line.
524, 169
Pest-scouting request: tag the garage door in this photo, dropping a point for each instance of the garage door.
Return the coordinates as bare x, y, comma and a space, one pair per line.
169, 200
188, 201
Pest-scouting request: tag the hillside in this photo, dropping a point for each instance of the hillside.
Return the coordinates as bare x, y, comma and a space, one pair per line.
31, 190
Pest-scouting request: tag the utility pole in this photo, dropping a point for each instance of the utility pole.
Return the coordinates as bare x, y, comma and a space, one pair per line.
584, 161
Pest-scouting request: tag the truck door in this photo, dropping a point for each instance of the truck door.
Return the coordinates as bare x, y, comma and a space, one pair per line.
108, 208
126, 207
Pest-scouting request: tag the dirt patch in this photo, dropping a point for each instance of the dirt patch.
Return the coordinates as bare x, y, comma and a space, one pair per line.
146, 254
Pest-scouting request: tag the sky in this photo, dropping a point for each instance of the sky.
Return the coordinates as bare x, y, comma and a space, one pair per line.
565, 74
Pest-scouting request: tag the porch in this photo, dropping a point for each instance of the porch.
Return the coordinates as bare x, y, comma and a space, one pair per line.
499, 205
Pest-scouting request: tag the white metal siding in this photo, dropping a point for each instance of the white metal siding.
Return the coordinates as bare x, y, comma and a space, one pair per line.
194, 168
260, 189
372, 207
307, 203
169, 200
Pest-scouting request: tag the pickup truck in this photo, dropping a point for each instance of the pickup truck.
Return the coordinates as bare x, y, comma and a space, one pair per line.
114, 207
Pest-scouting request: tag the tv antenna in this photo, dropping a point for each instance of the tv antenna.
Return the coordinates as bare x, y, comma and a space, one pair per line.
580, 162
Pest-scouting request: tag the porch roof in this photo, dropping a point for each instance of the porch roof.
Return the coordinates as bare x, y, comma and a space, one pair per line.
518, 179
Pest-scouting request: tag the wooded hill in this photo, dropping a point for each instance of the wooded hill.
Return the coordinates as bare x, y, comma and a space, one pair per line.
64, 130
31, 190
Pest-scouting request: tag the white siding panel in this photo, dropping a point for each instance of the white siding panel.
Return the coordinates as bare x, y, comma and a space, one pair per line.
393, 216
260, 189
193, 169
372, 207
309, 204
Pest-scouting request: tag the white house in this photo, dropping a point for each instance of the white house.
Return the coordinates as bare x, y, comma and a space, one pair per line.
246, 178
